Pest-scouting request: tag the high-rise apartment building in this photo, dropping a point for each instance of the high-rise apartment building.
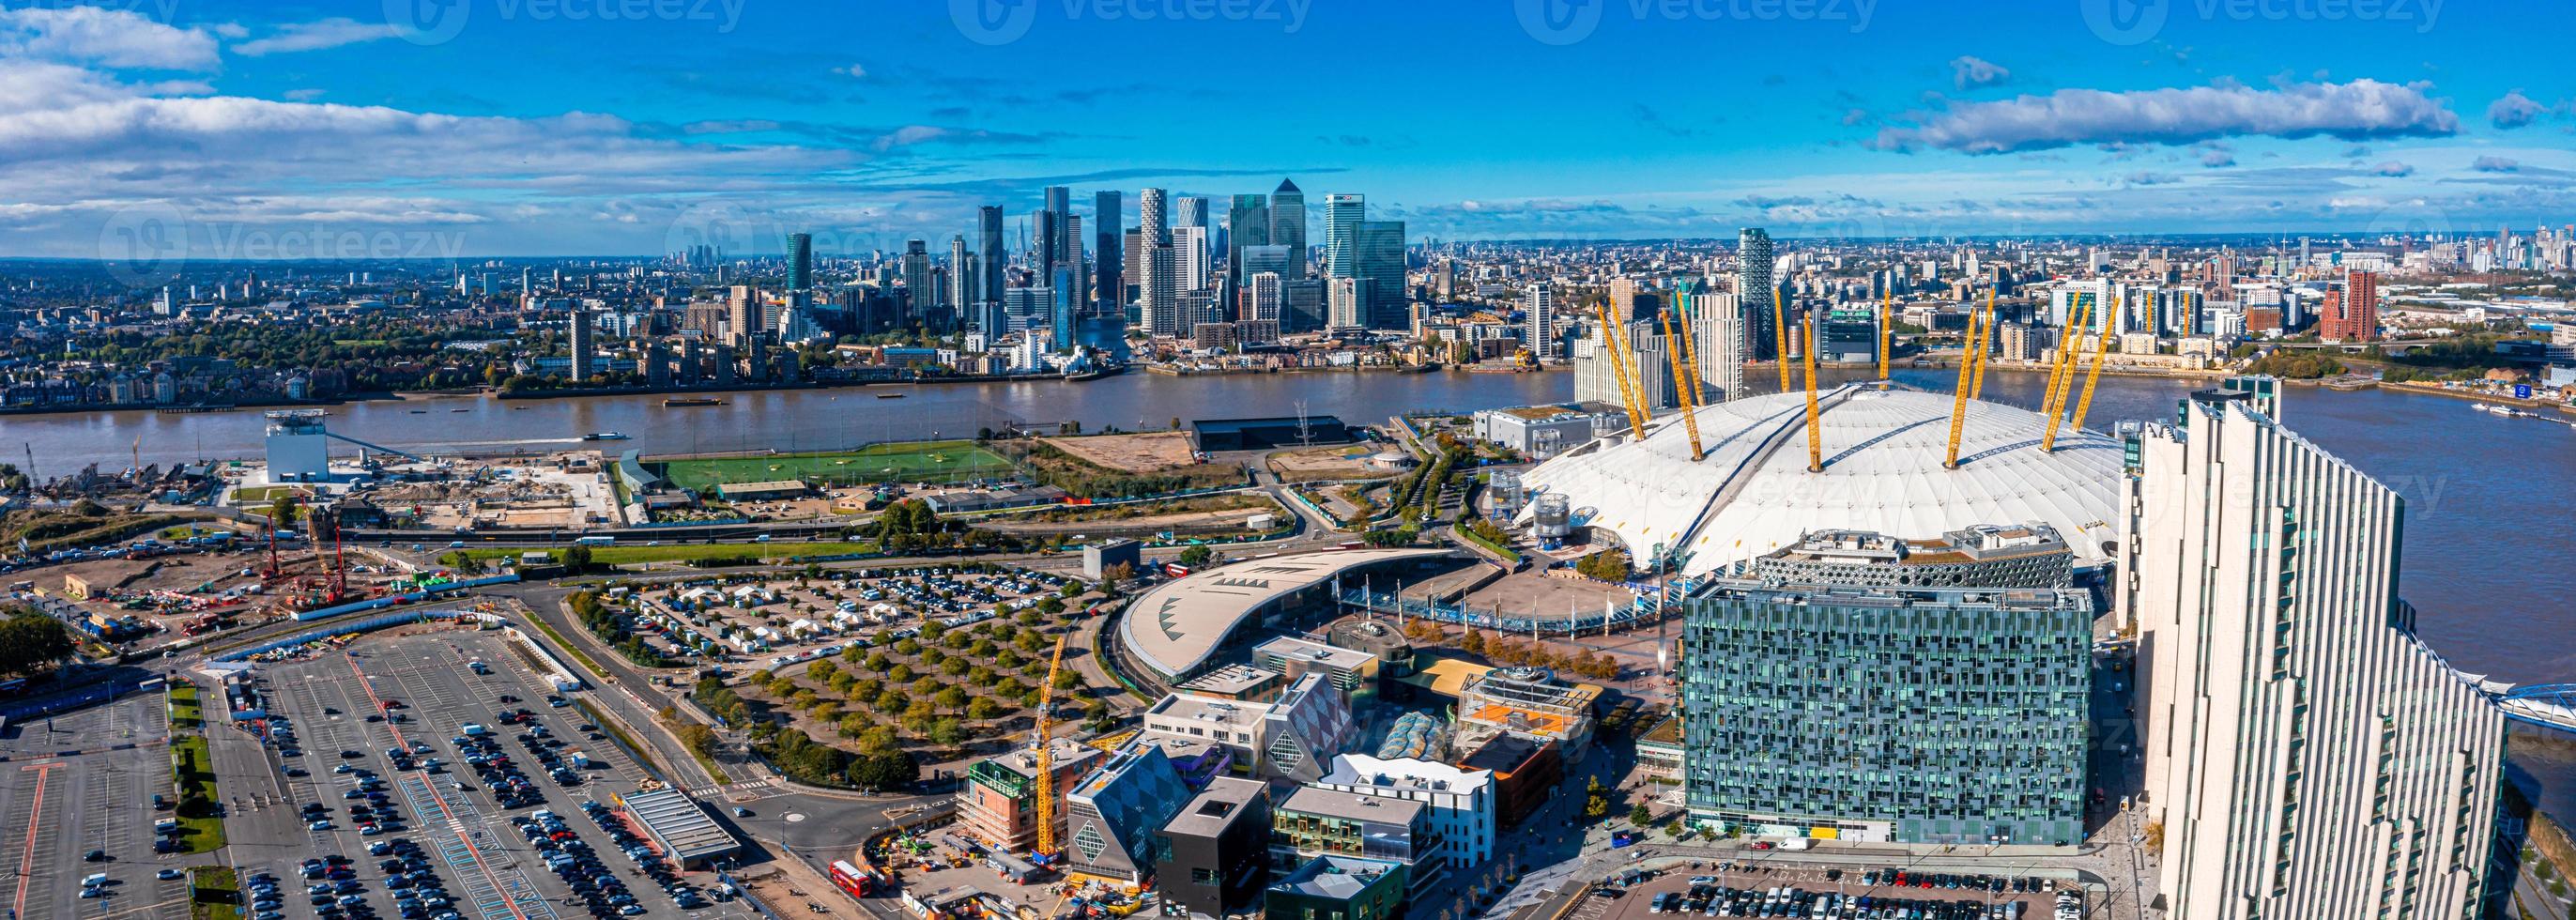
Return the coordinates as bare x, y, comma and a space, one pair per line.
1381, 261
1190, 269
1152, 217
2307, 756
961, 275
800, 261
578, 329
1109, 259
742, 312
2352, 309
1288, 226
1190, 211
918, 288
1265, 297
1342, 217
988, 226
1755, 289
1538, 322
1158, 292
1717, 341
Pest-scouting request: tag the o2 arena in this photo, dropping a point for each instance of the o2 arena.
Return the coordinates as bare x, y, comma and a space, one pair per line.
1883, 451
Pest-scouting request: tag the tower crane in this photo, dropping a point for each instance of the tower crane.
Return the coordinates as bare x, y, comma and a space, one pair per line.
1046, 756
1616, 339
1815, 432
1685, 380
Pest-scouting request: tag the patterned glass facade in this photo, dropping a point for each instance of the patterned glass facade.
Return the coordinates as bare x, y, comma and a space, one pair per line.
1888, 715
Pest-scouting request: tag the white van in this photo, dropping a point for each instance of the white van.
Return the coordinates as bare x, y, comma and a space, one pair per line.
94, 880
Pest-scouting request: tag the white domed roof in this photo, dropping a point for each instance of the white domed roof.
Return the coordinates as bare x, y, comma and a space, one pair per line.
1882, 451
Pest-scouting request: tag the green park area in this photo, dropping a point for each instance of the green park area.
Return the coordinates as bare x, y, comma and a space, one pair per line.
915, 461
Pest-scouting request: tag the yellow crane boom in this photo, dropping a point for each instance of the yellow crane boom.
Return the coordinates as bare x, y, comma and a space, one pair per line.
1959, 392
2101, 352
2062, 371
1685, 383
1985, 350
1046, 754
1616, 338
1886, 316
1780, 325
1815, 431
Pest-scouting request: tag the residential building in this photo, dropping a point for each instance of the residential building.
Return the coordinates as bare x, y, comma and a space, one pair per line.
2307, 755
1538, 323
1461, 800
1293, 737
1756, 289
1716, 322
1342, 217
2352, 309
1525, 773
1314, 821
800, 261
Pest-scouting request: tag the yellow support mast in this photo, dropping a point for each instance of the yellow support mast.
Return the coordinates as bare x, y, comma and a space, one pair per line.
1886, 316
1959, 392
1685, 383
1780, 324
2101, 352
1616, 339
2061, 375
1985, 350
1046, 755
1815, 431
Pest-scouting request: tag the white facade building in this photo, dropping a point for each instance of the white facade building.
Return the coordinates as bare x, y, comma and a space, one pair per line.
1461, 801
2306, 755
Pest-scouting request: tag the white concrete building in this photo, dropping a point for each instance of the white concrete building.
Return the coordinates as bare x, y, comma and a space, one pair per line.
2306, 755
1461, 801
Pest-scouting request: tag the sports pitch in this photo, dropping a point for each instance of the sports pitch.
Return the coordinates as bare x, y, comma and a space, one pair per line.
919, 461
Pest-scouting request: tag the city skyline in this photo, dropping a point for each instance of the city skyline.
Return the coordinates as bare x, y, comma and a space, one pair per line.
1532, 121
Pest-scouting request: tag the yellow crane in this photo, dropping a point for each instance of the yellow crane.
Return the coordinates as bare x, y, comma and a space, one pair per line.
1815, 433
1046, 755
1780, 324
2101, 352
1985, 350
1887, 315
1968, 356
2061, 370
1616, 339
1685, 379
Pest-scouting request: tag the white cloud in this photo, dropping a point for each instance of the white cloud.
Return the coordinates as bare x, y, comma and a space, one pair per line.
2357, 110
2394, 169
1969, 72
855, 71
2514, 110
314, 36
2495, 164
104, 37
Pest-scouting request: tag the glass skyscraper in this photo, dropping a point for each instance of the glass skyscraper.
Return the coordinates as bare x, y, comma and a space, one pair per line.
1755, 286
1898, 715
1381, 261
1342, 217
1288, 226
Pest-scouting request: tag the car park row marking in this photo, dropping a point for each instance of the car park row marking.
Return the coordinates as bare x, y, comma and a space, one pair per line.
514, 884
378, 706
35, 816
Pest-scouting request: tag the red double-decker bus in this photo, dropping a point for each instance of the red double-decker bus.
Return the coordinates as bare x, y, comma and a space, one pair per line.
856, 882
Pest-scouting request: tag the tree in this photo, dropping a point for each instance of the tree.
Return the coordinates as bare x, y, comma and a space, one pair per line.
1192, 557
1640, 815
576, 558
889, 770
31, 641
982, 709
946, 732
1606, 565
877, 739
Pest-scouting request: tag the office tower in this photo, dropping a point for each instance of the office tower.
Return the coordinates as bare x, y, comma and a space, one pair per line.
1923, 715
917, 285
527, 281
1157, 292
1061, 312
1150, 217
1717, 340
1381, 260
2307, 756
742, 312
1247, 223
2352, 309
1288, 226
1755, 289
1258, 259
961, 276
800, 261
580, 332
1189, 211
1190, 254
1538, 322
1265, 298
1059, 199
1046, 254
988, 225
1342, 216
1109, 260
1071, 253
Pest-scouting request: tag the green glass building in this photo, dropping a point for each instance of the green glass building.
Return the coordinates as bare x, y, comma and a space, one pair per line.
1894, 715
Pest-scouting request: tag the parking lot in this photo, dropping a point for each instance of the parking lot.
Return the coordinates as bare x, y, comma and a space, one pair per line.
79, 783
783, 619
1769, 888
383, 740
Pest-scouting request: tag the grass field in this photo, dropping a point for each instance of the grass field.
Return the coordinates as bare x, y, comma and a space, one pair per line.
917, 461
214, 893
194, 768
186, 712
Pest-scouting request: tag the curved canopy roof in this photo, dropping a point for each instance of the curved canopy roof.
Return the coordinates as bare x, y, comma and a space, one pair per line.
1179, 625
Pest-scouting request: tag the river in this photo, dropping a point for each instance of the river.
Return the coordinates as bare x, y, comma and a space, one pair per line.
2487, 497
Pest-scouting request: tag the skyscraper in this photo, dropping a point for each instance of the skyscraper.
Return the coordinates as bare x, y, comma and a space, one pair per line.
1157, 292
1247, 223
1755, 289
1717, 340
1046, 252
1059, 199
1342, 216
917, 286
1288, 226
742, 312
1109, 260
1538, 322
800, 261
1189, 211
961, 275
1264, 297
1151, 217
2306, 754
580, 333
1190, 254
2352, 309
1381, 261
988, 224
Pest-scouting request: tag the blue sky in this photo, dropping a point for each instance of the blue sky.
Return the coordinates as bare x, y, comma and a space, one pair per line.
517, 127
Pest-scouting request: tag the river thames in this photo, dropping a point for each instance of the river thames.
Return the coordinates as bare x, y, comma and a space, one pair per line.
2485, 557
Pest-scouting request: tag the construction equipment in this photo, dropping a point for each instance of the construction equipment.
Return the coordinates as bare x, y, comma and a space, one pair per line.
1780, 325
1046, 757
2061, 369
1616, 338
1685, 380
1968, 356
2101, 352
1985, 350
1886, 315
1815, 430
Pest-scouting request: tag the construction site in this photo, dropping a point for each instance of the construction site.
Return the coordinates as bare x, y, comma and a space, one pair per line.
389, 488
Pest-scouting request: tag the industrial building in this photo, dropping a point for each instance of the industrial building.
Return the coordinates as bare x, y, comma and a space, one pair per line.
1213, 435
680, 826
2306, 754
